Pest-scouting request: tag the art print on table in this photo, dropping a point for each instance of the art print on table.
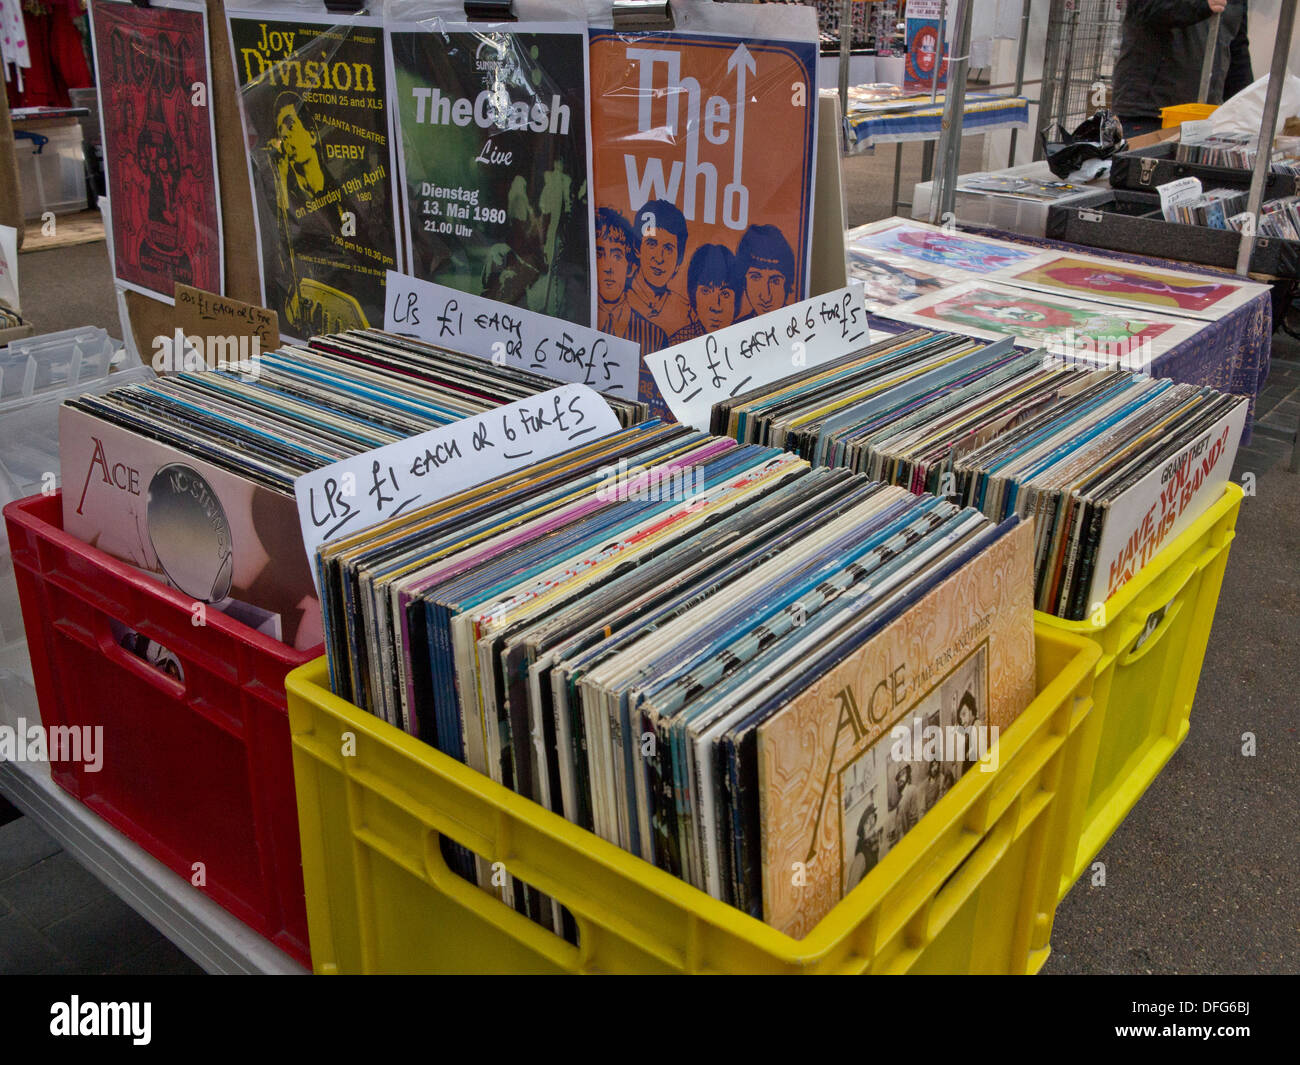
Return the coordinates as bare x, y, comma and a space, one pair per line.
314, 100
703, 159
889, 280
1115, 281
494, 162
953, 250
159, 153
1071, 328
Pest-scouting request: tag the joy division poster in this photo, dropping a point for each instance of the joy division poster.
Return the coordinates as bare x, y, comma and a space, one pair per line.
495, 163
314, 102
703, 165
156, 117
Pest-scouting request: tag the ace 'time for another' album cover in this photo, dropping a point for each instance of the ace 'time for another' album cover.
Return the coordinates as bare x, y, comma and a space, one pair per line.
314, 98
156, 117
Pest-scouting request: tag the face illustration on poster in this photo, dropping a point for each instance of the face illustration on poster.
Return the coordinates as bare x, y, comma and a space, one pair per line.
638, 263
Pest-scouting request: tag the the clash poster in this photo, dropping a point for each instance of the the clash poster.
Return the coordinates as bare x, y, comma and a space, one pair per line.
314, 104
704, 153
156, 115
495, 162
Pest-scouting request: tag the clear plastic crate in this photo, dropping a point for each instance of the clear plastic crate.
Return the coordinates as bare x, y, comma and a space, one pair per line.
36, 375
53, 178
1013, 214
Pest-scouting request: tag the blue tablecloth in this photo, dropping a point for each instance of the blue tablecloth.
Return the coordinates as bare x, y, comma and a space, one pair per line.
1230, 354
983, 111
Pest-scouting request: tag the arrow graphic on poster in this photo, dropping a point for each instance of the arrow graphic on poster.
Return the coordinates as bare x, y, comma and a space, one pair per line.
736, 195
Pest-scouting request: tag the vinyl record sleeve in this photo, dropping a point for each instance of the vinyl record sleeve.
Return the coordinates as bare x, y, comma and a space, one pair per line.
808, 747
313, 95
160, 158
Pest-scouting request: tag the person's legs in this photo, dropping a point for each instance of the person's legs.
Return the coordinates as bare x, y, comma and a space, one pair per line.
1138, 125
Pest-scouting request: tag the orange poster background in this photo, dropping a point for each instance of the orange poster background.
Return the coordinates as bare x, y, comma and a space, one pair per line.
776, 160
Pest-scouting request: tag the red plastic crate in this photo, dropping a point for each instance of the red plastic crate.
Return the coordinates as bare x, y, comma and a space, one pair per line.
193, 771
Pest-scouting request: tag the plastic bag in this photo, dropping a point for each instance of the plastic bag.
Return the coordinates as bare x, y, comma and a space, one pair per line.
1095, 138
1245, 111
493, 152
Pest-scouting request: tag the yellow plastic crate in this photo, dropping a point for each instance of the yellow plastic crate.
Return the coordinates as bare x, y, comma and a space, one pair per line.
973, 888
1153, 634
1180, 113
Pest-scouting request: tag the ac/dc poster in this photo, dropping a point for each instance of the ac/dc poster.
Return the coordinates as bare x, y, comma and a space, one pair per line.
315, 108
156, 114
704, 154
494, 162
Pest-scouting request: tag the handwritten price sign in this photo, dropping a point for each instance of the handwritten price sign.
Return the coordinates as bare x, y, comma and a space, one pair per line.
696, 375
511, 336
346, 496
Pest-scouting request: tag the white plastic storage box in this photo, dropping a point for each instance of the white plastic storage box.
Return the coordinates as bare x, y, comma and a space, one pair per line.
36, 375
52, 176
997, 210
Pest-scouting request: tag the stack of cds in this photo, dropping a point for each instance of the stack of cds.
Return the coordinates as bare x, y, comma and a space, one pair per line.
1277, 218
1212, 209
1080, 450
660, 635
1238, 151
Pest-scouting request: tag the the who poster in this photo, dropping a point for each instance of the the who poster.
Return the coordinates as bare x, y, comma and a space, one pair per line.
495, 162
704, 155
314, 104
156, 118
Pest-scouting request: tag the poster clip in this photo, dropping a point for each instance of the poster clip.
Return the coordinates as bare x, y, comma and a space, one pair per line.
490, 11
142, 3
643, 15
345, 7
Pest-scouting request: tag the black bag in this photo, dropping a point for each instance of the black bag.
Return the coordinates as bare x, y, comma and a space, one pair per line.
1098, 137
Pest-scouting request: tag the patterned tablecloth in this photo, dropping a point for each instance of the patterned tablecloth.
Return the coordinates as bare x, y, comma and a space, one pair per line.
983, 112
1230, 354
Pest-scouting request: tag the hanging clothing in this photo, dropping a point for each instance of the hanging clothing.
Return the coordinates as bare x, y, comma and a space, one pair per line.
58, 61
14, 58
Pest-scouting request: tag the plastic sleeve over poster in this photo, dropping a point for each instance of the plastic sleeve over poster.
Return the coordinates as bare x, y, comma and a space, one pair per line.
494, 153
155, 103
704, 151
313, 90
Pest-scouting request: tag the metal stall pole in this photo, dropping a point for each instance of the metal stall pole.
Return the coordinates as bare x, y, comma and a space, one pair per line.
846, 51
1207, 64
944, 192
1272, 103
1020, 70
927, 147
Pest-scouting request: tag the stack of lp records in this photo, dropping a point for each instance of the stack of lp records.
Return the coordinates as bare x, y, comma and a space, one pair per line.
680, 643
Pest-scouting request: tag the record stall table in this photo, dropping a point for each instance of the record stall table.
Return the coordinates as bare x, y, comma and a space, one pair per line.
1230, 353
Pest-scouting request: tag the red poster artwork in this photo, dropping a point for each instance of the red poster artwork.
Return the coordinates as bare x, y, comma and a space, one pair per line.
155, 103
